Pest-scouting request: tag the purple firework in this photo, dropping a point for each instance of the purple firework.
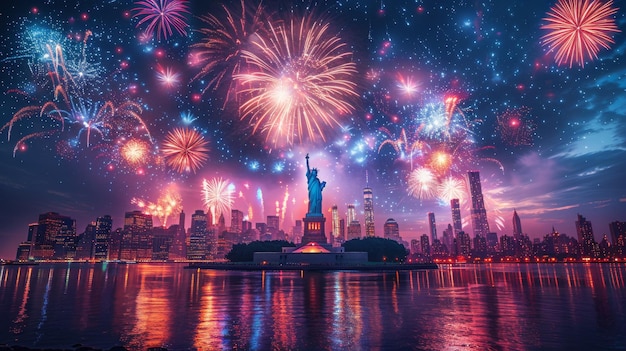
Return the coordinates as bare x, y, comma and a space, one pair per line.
162, 16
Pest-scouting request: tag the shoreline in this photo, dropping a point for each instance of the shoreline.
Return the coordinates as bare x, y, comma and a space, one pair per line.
373, 267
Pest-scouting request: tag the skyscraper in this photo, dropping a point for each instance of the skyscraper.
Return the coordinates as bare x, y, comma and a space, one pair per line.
432, 226
336, 230
236, 221
617, 230
197, 249
137, 236
479, 213
585, 237
368, 204
351, 214
354, 230
103, 236
56, 236
517, 226
457, 225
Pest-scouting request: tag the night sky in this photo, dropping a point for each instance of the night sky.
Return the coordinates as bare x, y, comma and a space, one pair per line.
434, 89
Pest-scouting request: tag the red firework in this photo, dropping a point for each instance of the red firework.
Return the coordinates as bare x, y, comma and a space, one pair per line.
579, 29
163, 16
514, 128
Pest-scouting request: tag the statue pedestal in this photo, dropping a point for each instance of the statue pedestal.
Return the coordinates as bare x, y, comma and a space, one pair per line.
314, 229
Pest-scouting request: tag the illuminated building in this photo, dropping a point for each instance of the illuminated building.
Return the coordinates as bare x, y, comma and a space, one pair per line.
103, 228
463, 244
197, 249
335, 234
368, 205
55, 237
616, 229
425, 245
137, 236
517, 226
297, 232
448, 238
351, 214
432, 226
354, 230
391, 230
456, 216
588, 246
236, 221
478, 211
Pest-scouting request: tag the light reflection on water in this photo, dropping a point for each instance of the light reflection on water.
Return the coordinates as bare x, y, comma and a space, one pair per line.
477, 307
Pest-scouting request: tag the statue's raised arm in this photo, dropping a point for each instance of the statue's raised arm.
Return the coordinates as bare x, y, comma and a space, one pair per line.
308, 169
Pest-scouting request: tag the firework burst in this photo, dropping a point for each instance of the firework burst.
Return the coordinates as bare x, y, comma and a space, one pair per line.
300, 81
217, 196
162, 17
135, 152
185, 150
219, 52
514, 128
422, 184
451, 188
578, 29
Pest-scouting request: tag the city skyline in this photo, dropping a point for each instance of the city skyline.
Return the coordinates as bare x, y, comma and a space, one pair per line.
431, 91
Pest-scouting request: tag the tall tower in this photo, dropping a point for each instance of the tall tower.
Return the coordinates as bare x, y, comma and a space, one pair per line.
103, 234
517, 226
456, 216
432, 226
236, 221
336, 231
368, 204
585, 237
197, 249
479, 213
351, 214
137, 236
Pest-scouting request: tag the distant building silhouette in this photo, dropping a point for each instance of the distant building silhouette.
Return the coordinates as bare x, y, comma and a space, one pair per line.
480, 225
588, 245
432, 226
457, 224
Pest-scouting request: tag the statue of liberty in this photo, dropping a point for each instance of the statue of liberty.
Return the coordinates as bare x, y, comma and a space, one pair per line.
315, 190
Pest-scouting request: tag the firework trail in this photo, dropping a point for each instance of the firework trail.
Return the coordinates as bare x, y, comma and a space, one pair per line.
284, 207
401, 145
185, 150
578, 29
300, 81
217, 197
259, 196
162, 17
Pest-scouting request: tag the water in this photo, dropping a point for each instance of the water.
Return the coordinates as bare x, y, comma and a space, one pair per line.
472, 307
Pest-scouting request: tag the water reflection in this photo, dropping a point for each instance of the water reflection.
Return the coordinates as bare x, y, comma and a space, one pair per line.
507, 306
